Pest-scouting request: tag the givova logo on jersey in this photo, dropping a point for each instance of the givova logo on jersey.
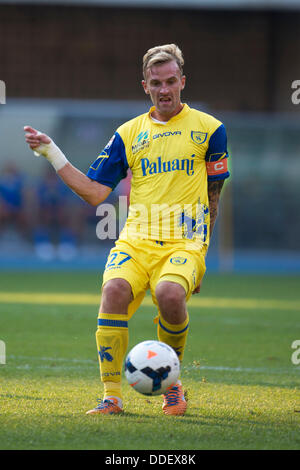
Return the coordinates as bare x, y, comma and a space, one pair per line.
166, 134
141, 141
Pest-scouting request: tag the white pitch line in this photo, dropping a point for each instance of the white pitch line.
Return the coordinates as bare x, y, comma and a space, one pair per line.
263, 370
52, 359
74, 364
55, 368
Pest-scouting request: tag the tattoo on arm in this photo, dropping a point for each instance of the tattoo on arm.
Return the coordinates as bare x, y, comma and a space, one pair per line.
214, 190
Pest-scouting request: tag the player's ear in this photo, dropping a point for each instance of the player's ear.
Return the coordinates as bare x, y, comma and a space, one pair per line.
144, 84
183, 80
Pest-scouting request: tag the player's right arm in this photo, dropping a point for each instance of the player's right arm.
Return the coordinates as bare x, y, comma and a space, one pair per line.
91, 191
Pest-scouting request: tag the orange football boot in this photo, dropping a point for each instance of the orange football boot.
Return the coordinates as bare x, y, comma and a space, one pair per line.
106, 407
174, 401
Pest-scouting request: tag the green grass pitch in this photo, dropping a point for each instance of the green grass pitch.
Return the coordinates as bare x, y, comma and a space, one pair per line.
241, 384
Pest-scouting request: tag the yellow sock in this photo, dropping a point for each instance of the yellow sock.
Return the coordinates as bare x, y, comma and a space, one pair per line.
112, 389
173, 335
112, 343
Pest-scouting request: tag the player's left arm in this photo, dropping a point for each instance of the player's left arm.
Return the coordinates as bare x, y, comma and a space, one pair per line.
214, 189
217, 171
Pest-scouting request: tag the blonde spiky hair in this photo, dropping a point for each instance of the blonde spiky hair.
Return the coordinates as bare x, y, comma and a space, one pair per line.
162, 54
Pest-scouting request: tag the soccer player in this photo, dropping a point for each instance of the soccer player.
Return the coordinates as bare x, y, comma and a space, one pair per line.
178, 159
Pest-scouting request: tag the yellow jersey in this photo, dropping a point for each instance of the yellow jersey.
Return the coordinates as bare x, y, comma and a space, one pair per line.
171, 164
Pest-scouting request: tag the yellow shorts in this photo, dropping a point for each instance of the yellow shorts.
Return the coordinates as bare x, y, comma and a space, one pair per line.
144, 263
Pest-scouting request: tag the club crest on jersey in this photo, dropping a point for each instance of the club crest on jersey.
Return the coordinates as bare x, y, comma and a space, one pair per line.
199, 137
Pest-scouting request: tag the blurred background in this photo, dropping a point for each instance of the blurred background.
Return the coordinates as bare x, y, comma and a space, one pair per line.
73, 70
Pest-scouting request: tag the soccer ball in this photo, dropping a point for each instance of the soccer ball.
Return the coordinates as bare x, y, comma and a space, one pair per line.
151, 367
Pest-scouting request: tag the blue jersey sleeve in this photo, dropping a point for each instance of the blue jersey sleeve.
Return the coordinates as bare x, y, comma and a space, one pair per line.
217, 156
111, 165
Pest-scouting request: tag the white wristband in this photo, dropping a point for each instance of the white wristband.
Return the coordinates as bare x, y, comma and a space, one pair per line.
53, 154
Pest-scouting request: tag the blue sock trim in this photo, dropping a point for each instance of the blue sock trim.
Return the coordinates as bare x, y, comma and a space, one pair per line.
113, 323
172, 332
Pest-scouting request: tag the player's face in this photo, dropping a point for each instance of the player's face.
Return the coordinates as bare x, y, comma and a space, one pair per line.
164, 84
